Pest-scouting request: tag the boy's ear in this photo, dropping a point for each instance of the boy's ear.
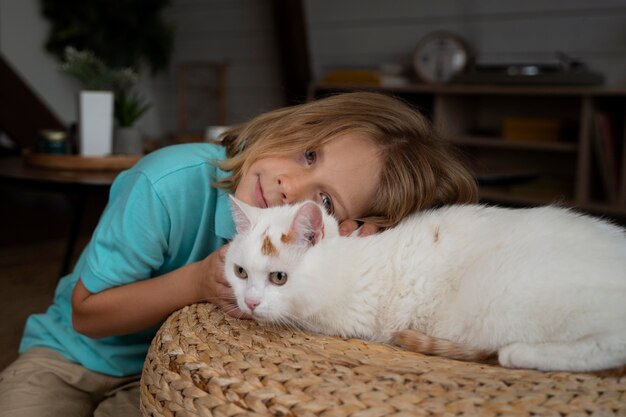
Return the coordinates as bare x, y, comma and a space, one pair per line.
239, 209
308, 225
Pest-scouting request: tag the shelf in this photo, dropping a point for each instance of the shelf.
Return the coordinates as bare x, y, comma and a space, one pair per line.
501, 143
507, 198
504, 197
520, 90
571, 171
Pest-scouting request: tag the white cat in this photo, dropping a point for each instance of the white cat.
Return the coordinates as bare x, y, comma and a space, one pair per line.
544, 288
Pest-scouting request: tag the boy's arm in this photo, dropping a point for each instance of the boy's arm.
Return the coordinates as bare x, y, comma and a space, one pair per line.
139, 305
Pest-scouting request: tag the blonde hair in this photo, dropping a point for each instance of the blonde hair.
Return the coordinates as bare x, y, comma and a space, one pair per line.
419, 170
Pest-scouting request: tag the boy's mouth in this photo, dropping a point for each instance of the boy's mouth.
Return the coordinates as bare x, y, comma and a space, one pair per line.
258, 192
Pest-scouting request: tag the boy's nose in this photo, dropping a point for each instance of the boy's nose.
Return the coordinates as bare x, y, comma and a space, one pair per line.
288, 189
294, 189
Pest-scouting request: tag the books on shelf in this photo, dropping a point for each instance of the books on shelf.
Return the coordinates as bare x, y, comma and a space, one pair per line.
607, 154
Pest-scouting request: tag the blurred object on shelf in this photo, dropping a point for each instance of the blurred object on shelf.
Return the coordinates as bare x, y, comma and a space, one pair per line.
389, 75
541, 129
214, 133
567, 71
352, 77
393, 75
53, 142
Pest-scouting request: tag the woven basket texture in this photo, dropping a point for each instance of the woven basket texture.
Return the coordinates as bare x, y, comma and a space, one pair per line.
205, 363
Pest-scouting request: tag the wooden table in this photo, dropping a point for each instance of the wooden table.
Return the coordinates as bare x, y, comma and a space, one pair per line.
75, 184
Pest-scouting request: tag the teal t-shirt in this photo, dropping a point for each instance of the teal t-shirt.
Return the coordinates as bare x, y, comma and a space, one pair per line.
162, 214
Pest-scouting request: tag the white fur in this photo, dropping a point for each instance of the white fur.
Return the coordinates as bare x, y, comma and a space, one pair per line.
545, 287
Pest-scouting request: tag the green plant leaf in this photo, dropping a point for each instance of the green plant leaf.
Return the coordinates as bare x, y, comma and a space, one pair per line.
129, 108
121, 33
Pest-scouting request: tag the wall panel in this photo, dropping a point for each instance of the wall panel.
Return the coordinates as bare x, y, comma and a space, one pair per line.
352, 33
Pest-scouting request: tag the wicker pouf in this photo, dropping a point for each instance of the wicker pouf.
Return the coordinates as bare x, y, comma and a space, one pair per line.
205, 363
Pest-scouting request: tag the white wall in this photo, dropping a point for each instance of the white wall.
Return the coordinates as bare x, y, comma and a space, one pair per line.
22, 35
362, 33
239, 31
366, 33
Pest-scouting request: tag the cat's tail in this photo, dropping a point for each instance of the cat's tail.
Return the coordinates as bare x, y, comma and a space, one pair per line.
615, 372
417, 341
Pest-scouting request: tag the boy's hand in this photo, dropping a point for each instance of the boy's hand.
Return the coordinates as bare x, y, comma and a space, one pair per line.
214, 287
348, 226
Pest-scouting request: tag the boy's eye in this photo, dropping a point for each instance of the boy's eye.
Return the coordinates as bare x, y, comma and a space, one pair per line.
328, 203
310, 156
240, 272
278, 278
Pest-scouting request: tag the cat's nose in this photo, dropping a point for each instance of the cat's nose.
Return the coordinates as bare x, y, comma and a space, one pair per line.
252, 303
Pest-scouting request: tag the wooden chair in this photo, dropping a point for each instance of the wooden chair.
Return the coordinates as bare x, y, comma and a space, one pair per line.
202, 98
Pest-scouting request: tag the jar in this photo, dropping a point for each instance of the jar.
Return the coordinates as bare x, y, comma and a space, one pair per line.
53, 142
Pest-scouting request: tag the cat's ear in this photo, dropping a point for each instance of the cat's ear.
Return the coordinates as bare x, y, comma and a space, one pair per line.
239, 209
308, 224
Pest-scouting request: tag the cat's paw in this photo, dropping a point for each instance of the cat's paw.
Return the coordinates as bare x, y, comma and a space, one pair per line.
515, 355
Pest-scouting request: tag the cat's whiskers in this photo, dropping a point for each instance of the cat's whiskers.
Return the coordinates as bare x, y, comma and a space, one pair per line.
282, 319
212, 299
290, 324
229, 308
295, 322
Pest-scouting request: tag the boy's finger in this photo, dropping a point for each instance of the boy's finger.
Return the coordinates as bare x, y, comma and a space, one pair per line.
221, 252
369, 229
347, 226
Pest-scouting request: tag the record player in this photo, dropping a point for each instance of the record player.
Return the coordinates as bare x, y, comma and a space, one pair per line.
567, 71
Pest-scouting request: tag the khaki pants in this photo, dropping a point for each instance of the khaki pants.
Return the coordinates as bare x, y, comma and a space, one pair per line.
43, 383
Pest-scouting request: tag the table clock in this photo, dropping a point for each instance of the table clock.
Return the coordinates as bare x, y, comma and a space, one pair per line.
440, 56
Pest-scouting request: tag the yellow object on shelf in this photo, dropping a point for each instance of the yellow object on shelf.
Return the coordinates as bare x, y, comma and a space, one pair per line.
531, 128
359, 77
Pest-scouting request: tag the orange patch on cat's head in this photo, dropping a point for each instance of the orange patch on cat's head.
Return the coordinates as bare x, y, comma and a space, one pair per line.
286, 238
268, 247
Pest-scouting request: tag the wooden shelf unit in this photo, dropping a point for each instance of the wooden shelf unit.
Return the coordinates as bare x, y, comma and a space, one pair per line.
568, 171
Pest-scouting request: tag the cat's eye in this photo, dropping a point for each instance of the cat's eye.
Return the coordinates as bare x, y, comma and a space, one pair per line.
278, 278
310, 156
240, 272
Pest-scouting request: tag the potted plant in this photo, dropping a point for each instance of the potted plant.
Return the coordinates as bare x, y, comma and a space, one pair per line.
107, 94
134, 34
95, 102
128, 108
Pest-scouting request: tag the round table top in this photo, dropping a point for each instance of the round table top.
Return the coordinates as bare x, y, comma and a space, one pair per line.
16, 170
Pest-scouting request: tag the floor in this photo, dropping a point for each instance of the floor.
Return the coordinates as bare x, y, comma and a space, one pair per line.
33, 231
